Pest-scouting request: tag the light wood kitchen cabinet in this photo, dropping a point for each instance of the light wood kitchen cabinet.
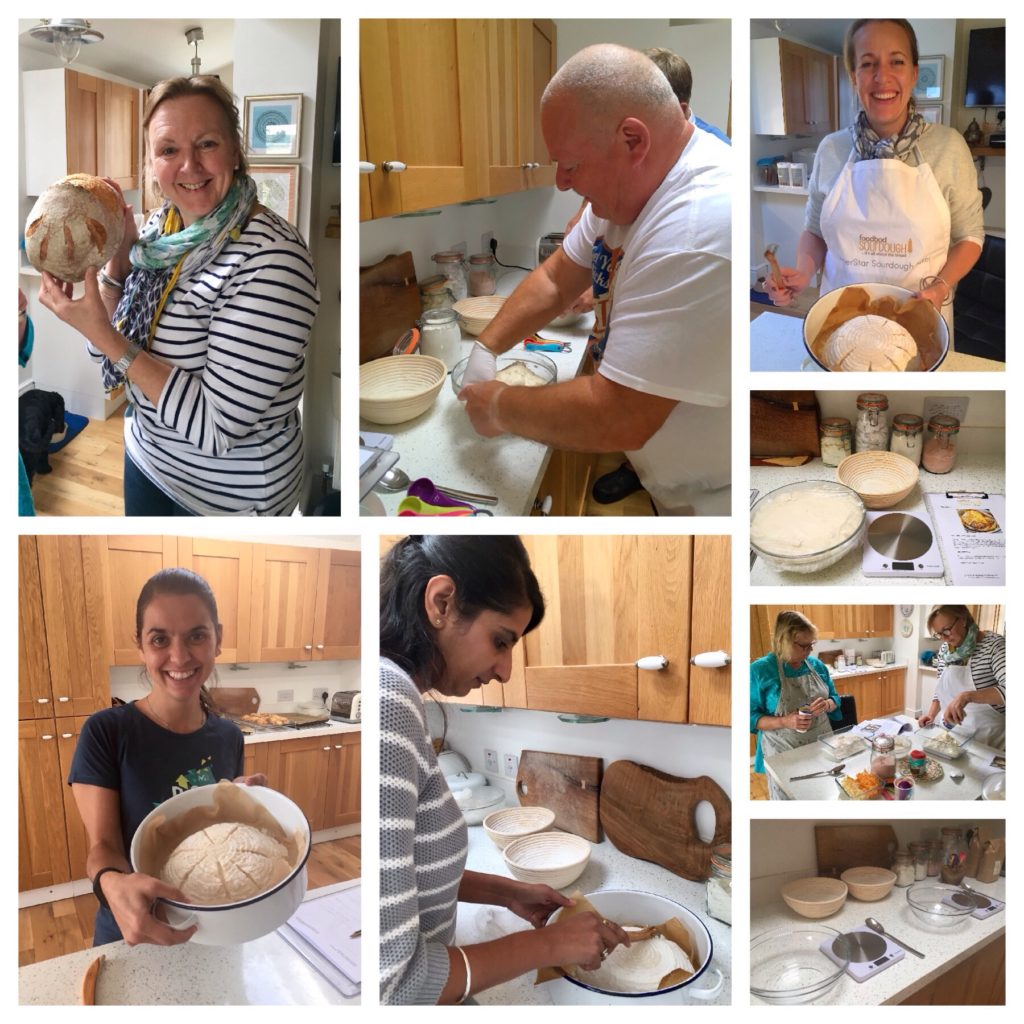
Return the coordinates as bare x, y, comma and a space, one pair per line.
336, 619
793, 88
342, 801
227, 567
42, 838
321, 774
78, 123
864, 621
567, 482
834, 622
876, 693
68, 731
980, 980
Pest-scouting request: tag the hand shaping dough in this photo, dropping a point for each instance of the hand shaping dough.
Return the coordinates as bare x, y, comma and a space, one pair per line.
870, 342
226, 863
637, 968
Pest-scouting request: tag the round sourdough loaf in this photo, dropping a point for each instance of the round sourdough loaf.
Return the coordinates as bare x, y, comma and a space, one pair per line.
76, 223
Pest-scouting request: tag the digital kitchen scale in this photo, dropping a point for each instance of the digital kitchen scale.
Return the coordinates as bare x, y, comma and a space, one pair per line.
867, 952
900, 544
985, 906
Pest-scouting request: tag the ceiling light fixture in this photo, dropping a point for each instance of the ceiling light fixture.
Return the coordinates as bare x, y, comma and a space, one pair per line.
193, 35
67, 35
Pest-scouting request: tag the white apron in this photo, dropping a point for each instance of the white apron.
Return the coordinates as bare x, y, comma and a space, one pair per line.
988, 724
885, 221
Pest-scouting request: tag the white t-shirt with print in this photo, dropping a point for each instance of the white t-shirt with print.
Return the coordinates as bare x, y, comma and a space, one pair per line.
661, 289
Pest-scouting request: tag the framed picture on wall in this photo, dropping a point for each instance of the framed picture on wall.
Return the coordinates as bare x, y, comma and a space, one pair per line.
277, 188
930, 74
273, 126
931, 112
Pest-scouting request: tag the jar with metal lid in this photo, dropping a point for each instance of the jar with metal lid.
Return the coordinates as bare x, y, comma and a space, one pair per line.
934, 857
435, 293
483, 277
441, 336
954, 856
719, 884
907, 431
451, 265
939, 453
836, 440
883, 757
919, 852
872, 431
904, 868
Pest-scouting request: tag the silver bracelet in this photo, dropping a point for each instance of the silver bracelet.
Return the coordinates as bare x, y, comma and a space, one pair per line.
469, 975
110, 282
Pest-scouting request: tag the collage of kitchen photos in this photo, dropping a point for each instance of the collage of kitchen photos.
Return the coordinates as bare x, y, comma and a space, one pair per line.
637, 475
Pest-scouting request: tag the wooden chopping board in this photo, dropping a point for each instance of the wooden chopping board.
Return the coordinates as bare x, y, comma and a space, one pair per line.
389, 304
567, 784
236, 700
651, 816
853, 846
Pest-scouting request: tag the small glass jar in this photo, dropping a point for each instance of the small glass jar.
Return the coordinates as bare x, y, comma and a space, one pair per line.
907, 431
483, 275
954, 856
450, 264
441, 336
903, 786
719, 884
435, 293
939, 454
904, 868
872, 430
883, 757
836, 440
934, 857
919, 852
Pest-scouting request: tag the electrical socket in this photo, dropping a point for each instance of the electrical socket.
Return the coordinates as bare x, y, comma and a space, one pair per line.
511, 765
319, 693
285, 696
491, 761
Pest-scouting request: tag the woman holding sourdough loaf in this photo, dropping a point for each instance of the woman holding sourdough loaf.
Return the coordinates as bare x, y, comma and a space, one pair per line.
131, 758
205, 317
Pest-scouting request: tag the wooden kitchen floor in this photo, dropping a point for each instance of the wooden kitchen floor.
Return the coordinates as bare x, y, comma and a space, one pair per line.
88, 474
54, 929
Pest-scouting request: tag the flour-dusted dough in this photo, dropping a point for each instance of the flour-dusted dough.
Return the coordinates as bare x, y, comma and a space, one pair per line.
519, 374
637, 968
870, 342
804, 522
226, 863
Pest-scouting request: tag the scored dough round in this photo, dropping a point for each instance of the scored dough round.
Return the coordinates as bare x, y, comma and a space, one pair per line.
637, 968
226, 863
870, 342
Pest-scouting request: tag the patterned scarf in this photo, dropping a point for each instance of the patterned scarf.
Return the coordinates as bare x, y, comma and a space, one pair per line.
870, 147
165, 251
955, 655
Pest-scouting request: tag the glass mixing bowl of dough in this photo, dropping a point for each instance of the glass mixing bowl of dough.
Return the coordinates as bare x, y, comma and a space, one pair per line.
534, 370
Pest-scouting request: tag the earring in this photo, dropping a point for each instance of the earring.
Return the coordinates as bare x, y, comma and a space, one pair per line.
437, 622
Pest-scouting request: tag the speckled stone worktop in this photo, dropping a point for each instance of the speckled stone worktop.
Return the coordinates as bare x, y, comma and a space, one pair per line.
328, 729
972, 473
942, 948
607, 869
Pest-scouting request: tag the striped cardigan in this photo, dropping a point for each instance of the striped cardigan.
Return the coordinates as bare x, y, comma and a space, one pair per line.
423, 845
225, 437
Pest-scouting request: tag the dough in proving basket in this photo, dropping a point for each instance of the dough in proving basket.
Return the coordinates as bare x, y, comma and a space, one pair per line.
870, 342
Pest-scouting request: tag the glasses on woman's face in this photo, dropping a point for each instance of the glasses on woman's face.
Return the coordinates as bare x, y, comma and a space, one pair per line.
806, 648
946, 632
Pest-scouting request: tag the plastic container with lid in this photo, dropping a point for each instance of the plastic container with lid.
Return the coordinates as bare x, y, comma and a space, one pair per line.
939, 453
836, 440
872, 430
907, 436
441, 336
451, 265
719, 884
483, 276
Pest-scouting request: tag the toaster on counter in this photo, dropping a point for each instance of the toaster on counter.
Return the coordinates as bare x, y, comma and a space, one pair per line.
346, 706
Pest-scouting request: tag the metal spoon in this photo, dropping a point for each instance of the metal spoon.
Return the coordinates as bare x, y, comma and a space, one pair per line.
838, 770
876, 927
394, 479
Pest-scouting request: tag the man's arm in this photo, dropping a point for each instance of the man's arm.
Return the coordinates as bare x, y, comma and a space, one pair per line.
588, 414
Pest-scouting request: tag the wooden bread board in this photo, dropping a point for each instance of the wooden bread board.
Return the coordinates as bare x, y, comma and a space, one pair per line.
389, 305
567, 784
650, 815
235, 700
853, 846
784, 423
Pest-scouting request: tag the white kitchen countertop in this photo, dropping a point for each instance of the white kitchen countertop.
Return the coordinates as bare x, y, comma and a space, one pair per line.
327, 729
972, 473
943, 948
265, 972
975, 764
607, 869
441, 443
777, 344
864, 670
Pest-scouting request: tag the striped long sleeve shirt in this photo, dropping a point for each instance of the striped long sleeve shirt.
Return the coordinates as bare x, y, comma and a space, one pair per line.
423, 846
987, 664
225, 436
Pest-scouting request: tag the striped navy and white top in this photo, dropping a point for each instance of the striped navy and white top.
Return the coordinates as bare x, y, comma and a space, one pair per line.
987, 664
423, 847
225, 437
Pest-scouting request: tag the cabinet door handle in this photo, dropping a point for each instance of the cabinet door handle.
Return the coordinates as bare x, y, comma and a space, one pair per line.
711, 659
393, 166
308, 647
327, 748
63, 700
543, 507
47, 736
337, 746
66, 735
319, 647
365, 167
653, 663
42, 700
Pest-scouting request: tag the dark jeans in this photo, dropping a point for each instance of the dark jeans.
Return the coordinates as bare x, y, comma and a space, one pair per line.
105, 929
142, 497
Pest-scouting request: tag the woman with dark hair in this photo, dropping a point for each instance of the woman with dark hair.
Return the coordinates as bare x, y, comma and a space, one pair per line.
451, 610
131, 758
205, 317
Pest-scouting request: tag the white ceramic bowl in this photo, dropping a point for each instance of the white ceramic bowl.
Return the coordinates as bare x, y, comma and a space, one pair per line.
815, 897
869, 884
399, 388
642, 909
228, 924
511, 823
552, 858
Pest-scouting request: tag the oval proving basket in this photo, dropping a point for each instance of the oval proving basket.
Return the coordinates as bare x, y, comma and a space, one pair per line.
511, 823
880, 478
399, 388
478, 312
552, 858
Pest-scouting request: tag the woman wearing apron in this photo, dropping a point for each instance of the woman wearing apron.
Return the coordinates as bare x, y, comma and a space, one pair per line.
971, 687
783, 682
893, 199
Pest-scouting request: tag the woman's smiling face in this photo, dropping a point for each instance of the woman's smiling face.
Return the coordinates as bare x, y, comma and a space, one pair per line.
884, 75
193, 154
179, 645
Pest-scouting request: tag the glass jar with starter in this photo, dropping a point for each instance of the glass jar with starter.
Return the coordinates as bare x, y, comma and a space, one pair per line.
872, 430
483, 277
450, 264
836, 440
939, 453
954, 856
441, 336
719, 883
883, 757
435, 293
907, 431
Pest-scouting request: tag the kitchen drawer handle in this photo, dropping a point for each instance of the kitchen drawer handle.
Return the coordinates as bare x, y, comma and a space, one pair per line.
42, 700
394, 166
711, 659
365, 167
653, 663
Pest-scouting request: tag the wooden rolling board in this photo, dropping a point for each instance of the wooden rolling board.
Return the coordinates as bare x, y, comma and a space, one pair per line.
651, 816
852, 846
567, 784
236, 700
389, 304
